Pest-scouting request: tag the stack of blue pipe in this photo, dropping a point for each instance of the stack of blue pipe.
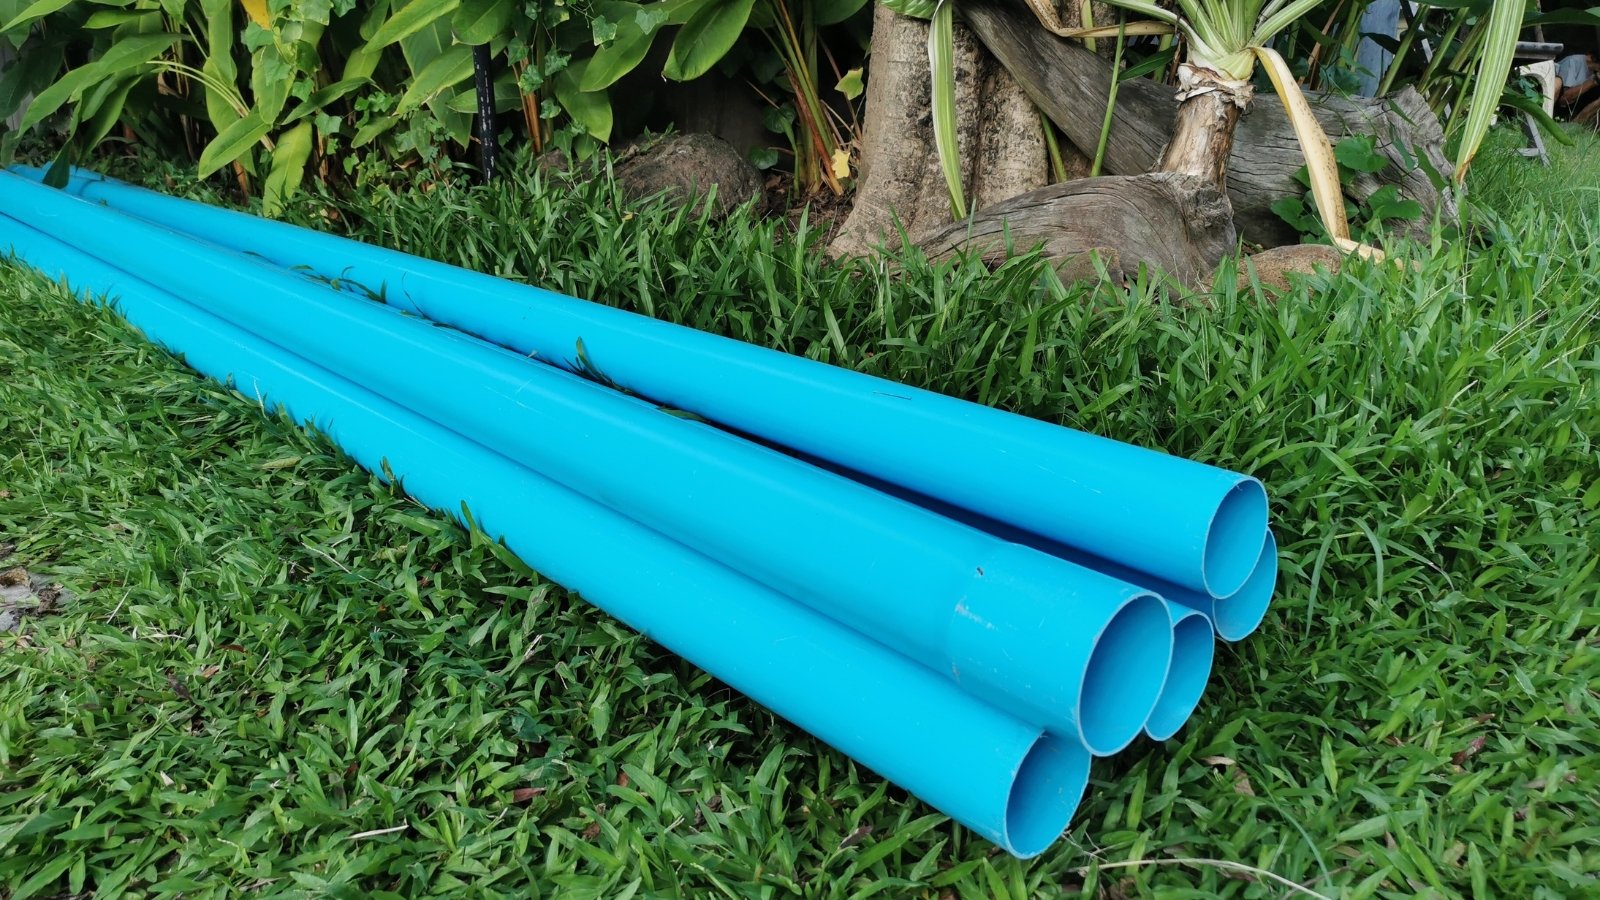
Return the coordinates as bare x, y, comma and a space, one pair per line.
971, 603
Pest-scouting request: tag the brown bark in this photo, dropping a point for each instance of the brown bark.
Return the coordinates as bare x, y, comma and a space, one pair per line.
1070, 85
999, 137
1176, 223
1202, 139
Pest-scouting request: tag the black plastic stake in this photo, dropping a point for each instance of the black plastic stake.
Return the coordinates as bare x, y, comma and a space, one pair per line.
488, 129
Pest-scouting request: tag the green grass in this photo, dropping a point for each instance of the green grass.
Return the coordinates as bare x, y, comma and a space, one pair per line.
274, 655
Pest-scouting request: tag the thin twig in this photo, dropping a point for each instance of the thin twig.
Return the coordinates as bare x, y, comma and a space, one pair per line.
1215, 863
374, 833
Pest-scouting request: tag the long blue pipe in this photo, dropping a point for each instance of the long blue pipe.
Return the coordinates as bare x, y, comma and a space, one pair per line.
993, 773
1232, 618
1065, 647
1089, 492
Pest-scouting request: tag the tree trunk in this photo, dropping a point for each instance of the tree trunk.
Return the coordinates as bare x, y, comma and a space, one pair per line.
1070, 85
901, 186
1202, 134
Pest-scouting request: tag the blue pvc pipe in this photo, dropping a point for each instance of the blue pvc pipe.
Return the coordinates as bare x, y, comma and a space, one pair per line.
993, 773
1086, 491
1232, 618
1065, 647
1194, 648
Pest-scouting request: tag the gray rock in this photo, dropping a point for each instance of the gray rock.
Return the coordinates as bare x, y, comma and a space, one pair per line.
687, 168
23, 593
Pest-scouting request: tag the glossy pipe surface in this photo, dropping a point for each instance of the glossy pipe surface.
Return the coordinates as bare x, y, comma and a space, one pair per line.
988, 770
1086, 491
1077, 652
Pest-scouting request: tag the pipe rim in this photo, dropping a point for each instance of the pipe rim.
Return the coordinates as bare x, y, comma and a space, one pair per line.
1194, 649
1125, 673
1046, 789
1231, 544
1238, 616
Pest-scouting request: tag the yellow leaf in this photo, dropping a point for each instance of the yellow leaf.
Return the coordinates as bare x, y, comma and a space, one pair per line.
257, 11
1321, 166
841, 164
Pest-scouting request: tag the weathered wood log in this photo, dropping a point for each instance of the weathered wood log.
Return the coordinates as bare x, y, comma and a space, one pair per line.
1070, 85
1177, 223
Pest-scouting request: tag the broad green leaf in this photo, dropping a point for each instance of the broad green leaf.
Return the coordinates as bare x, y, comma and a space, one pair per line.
481, 21
219, 39
60, 171
35, 11
105, 117
832, 12
507, 96
376, 15
111, 18
130, 52
1590, 17
67, 87
361, 63
591, 110
447, 70
675, 12
27, 75
1494, 64
410, 19
94, 97
289, 157
457, 126
363, 60
619, 57
916, 9
707, 38
271, 79
373, 130
426, 45
941, 63
233, 143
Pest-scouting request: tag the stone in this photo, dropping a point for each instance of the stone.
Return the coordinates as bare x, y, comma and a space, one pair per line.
1276, 267
688, 167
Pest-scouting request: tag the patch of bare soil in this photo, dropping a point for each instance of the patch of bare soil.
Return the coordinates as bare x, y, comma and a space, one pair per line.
25, 594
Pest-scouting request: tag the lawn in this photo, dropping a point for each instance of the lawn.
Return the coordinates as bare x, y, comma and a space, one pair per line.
276, 674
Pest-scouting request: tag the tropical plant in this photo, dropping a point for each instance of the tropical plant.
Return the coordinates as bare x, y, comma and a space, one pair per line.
710, 30
1356, 155
1223, 42
269, 93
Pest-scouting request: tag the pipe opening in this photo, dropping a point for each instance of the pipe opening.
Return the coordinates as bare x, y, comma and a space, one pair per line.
1237, 616
1045, 794
1234, 538
1126, 670
1194, 646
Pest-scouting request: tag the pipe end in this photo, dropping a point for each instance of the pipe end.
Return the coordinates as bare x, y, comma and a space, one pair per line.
1238, 616
1233, 538
1061, 646
1194, 648
1045, 793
